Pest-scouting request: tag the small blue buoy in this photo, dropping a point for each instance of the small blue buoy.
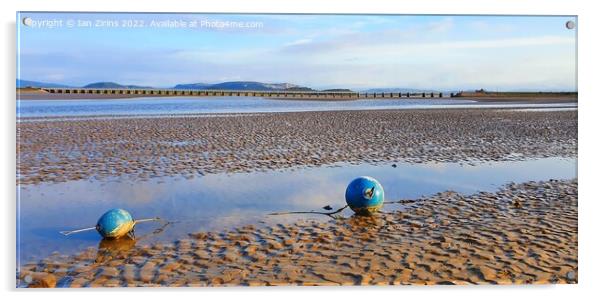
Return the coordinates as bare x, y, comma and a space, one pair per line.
115, 223
365, 195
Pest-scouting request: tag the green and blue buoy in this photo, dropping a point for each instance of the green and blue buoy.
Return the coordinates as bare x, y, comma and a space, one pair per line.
113, 224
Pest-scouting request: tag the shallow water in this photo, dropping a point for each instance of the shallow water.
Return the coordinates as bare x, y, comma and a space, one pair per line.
225, 105
220, 201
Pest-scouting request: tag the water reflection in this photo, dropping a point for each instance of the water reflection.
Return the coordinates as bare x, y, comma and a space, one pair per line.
116, 245
114, 248
228, 105
219, 201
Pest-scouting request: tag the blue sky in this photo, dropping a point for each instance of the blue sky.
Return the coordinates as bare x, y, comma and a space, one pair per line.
320, 51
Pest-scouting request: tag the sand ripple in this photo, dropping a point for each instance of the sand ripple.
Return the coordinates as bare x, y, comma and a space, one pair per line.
523, 234
189, 146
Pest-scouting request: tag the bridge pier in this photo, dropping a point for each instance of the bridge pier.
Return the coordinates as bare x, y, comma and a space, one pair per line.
267, 94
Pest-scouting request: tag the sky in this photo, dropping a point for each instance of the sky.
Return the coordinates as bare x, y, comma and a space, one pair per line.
510, 53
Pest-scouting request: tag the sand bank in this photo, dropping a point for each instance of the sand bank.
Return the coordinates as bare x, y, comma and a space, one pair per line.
188, 146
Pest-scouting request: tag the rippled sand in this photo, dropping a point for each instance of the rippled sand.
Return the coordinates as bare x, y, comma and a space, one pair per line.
189, 146
523, 234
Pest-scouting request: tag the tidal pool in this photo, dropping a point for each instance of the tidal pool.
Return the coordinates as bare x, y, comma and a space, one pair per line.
223, 201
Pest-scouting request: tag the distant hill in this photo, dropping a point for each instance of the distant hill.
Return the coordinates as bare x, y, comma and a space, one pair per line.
112, 85
299, 89
283, 86
192, 86
337, 90
230, 85
252, 85
242, 85
37, 84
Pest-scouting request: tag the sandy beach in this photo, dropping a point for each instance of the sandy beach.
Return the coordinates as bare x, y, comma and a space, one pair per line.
522, 234
526, 233
188, 146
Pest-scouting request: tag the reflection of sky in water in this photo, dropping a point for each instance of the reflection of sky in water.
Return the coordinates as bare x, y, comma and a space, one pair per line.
190, 105
219, 201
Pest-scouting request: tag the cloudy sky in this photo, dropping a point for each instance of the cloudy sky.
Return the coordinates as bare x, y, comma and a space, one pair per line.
320, 51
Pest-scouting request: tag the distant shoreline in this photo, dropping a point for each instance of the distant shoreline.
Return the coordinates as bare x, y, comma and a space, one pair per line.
523, 97
40, 95
34, 94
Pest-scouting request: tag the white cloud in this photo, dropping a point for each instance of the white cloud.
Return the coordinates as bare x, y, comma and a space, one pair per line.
503, 43
402, 49
444, 25
298, 42
488, 27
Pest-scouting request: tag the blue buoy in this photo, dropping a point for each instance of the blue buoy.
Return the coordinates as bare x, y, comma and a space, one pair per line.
115, 223
365, 195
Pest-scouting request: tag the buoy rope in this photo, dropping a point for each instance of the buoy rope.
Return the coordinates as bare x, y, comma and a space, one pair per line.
329, 214
402, 201
148, 220
69, 232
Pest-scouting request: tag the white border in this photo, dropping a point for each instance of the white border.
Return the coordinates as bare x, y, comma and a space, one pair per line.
589, 133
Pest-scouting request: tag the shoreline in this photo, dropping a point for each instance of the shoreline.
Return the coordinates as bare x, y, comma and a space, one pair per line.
522, 234
478, 99
455, 106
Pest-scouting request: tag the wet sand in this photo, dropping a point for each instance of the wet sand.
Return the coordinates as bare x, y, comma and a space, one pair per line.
525, 97
522, 234
189, 146
521, 100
